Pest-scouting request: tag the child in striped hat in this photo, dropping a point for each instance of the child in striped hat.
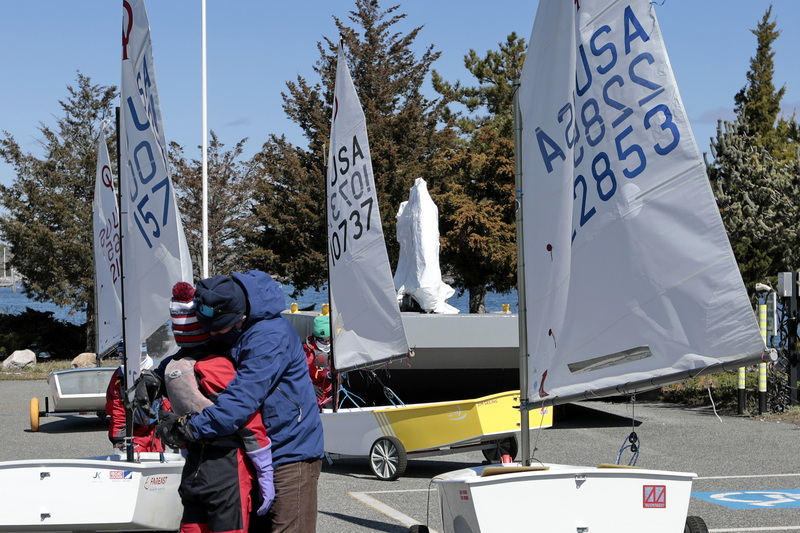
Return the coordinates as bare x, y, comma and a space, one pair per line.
185, 327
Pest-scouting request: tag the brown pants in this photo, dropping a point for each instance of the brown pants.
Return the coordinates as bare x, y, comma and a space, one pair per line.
295, 507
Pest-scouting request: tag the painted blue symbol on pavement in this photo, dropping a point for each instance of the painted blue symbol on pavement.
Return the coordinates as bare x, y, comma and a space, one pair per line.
753, 499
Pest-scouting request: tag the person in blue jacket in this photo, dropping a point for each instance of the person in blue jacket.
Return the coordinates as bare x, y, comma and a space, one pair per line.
244, 311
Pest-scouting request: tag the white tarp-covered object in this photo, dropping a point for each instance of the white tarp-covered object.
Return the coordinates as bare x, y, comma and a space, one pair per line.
418, 274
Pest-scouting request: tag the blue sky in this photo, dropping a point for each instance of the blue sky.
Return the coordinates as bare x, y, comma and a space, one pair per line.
256, 46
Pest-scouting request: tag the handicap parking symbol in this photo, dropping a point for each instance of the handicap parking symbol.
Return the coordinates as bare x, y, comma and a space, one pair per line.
753, 499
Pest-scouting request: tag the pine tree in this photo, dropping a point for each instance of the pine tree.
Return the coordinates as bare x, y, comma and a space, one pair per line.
405, 139
478, 217
756, 169
758, 103
48, 219
756, 195
229, 207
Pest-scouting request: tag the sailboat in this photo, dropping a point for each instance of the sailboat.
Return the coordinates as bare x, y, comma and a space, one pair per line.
627, 278
367, 328
137, 491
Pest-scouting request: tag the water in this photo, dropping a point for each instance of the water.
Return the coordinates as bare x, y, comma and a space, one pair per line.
13, 302
494, 301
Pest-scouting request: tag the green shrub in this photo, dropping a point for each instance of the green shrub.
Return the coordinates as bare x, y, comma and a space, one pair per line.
724, 389
40, 331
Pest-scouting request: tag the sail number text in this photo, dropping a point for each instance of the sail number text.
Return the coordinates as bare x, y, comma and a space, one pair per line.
108, 240
618, 119
351, 197
149, 188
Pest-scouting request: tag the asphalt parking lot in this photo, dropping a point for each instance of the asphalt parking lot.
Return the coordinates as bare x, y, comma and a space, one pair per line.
748, 471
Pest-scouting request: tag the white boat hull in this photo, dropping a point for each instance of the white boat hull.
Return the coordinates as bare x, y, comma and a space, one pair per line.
564, 498
95, 494
80, 389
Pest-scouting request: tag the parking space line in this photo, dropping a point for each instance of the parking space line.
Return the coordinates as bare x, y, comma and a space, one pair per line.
748, 529
748, 477
381, 507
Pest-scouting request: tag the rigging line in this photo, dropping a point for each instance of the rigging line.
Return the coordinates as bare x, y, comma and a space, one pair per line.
538, 432
713, 406
428, 507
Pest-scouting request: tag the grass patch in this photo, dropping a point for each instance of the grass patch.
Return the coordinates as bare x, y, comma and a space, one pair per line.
724, 387
42, 370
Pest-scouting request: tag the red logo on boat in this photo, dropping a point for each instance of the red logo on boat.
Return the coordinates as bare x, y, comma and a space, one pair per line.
155, 482
115, 474
654, 497
464, 494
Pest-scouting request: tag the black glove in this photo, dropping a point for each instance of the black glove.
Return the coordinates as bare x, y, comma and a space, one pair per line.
148, 388
174, 430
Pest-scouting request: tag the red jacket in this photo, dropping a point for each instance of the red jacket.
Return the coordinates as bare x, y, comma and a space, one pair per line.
320, 373
144, 437
194, 384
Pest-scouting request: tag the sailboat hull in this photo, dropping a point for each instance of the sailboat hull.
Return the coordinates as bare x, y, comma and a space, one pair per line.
94, 494
420, 427
564, 498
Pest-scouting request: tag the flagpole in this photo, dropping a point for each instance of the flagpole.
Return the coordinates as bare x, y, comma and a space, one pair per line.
205, 140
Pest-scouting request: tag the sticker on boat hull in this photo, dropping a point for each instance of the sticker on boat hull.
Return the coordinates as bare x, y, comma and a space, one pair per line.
654, 496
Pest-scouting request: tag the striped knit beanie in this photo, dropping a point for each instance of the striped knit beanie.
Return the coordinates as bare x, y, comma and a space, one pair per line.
185, 327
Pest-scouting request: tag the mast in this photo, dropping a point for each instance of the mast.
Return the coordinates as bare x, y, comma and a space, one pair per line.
125, 384
335, 377
205, 139
521, 304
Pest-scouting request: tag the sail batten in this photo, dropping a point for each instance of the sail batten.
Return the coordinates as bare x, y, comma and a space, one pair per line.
636, 285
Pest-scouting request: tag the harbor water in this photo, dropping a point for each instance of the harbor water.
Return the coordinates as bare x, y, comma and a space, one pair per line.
14, 302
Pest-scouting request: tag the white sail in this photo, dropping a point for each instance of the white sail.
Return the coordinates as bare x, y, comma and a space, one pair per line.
365, 317
107, 248
631, 281
418, 273
155, 254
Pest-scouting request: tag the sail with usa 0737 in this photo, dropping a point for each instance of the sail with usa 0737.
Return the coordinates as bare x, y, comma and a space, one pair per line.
351, 198
616, 93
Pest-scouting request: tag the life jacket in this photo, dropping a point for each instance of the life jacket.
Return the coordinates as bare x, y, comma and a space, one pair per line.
183, 388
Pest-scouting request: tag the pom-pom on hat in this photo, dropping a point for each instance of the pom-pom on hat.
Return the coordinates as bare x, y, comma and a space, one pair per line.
185, 327
219, 303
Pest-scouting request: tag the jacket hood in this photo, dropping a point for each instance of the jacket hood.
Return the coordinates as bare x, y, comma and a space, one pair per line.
264, 296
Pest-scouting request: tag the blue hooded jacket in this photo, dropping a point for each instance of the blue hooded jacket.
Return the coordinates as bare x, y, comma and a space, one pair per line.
272, 372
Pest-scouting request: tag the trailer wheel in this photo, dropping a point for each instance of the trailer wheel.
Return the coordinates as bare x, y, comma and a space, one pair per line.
501, 447
34, 414
387, 458
695, 524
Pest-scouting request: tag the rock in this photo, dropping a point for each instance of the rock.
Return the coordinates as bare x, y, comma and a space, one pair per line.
20, 359
85, 360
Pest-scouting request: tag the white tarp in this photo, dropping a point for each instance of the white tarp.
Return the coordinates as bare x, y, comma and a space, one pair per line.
366, 323
107, 248
418, 274
155, 255
630, 276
